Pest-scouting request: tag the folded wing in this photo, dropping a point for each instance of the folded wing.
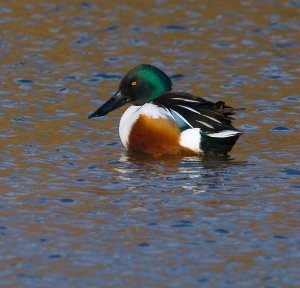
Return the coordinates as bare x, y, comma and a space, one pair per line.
195, 112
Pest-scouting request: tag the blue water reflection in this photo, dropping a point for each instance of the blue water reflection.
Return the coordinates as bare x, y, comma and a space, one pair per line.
77, 210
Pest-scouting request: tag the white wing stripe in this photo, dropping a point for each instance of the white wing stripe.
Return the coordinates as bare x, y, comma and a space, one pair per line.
207, 125
186, 100
195, 111
211, 118
191, 109
182, 118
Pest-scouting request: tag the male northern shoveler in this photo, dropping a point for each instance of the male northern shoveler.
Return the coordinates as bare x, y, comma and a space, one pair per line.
164, 122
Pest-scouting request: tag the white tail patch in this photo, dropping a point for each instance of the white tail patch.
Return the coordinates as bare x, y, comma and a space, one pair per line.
191, 139
224, 134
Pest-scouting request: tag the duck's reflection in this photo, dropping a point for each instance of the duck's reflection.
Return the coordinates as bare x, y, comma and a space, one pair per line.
178, 161
142, 166
170, 174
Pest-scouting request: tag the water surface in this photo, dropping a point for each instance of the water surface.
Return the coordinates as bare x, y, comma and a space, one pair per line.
78, 211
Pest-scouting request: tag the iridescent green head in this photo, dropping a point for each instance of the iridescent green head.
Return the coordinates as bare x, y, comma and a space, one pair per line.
140, 85
144, 83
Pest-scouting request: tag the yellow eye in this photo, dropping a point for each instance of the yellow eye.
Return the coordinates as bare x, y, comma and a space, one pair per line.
133, 83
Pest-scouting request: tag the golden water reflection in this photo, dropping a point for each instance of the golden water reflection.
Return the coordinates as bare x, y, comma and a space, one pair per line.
77, 209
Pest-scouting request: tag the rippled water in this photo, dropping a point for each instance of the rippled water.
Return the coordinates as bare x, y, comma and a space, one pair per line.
78, 211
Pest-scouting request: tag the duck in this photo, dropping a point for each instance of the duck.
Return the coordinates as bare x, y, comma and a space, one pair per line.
162, 122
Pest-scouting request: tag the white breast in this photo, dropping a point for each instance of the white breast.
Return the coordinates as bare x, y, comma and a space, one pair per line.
132, 114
